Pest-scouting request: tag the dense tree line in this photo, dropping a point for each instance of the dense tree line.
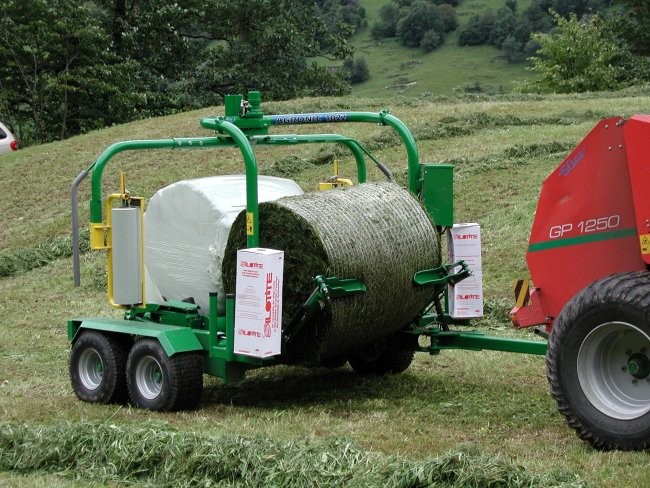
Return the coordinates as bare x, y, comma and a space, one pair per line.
511, 31
417, 23
69, 66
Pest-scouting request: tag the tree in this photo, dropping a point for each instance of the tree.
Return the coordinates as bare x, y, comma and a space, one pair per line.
630, 22
58, 76
580, 56
387, 25
69, 66
262, 45
478, 29
420, 18
357, 69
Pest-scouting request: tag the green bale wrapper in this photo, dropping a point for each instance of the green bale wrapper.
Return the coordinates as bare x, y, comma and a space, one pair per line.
375, 232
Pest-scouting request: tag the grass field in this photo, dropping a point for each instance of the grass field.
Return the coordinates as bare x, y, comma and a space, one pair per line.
491, 405
396, 70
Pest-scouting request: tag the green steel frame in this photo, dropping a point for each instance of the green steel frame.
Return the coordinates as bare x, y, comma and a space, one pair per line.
178, 325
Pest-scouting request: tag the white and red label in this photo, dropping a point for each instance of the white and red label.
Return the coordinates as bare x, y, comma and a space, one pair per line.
258, 302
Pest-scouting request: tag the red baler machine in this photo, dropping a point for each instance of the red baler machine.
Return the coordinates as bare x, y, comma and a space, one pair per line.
588, 258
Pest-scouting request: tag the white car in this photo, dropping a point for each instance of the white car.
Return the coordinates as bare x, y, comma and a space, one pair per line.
8, 142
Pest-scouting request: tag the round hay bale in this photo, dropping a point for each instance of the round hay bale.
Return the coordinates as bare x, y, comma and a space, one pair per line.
376, 232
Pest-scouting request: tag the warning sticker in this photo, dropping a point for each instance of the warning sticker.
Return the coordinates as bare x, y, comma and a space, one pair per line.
249, 223
645, 243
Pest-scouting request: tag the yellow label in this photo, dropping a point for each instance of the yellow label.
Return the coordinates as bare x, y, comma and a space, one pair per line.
250, 219
645, 243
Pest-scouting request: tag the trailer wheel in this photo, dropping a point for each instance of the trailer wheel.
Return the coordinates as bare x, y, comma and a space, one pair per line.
392, 356
158, 382
598, 362
97, 365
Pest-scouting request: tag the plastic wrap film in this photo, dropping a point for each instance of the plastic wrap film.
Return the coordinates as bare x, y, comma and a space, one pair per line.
186, 230
375, 232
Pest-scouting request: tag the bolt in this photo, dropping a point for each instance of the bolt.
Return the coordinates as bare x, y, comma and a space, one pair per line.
628, 353
609, 148
635, 381
620, 146
606, 126
643, 350
623, 368
647, 222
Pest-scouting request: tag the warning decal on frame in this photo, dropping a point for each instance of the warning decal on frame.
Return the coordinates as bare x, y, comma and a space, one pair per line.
249, 223
645, 243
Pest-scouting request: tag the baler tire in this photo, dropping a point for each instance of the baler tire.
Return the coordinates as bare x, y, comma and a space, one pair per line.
97, 368
158, 382
603, 401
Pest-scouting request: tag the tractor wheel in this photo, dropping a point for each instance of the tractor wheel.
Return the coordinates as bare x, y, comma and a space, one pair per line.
159, 382
383, 358
97, 365
598, 362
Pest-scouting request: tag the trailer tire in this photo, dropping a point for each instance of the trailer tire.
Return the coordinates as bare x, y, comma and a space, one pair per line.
598, 362
158, 382
383, 358
97, 368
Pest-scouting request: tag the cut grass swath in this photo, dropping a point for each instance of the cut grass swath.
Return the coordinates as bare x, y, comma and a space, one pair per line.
157, 455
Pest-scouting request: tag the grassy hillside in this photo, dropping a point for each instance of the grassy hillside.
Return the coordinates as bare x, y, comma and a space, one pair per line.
492, 404
395, 69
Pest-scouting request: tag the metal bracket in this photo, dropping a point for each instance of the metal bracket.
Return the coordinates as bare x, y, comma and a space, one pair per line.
442, 275
326, 290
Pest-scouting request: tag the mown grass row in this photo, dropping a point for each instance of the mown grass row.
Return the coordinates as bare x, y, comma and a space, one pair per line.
157, 455
26, 259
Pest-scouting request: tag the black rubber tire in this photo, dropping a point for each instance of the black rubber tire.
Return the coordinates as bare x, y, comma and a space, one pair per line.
158, 382
601, 321
334, 362
390, 357
97, 367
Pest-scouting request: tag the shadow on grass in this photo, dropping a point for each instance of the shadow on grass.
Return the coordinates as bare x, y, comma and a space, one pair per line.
286, 387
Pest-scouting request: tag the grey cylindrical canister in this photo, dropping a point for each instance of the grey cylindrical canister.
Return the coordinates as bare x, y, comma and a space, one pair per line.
127, 255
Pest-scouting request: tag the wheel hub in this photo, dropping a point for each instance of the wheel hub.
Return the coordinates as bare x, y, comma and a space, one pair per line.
149, 377
90, 369
638, 366
610, 364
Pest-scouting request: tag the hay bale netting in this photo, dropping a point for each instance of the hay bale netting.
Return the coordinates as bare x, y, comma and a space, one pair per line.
375, 232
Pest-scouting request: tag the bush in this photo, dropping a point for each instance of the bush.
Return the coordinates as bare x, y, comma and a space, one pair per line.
387, 25
580, 56
448, 17
431, 40
478, 30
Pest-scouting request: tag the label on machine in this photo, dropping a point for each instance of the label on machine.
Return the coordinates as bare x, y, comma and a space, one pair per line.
466, 298
258, 302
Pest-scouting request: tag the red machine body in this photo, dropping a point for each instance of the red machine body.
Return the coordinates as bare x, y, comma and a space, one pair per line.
592, 218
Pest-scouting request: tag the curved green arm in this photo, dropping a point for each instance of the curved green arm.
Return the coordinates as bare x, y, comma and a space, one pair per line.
240, 140
382, 118
351, 144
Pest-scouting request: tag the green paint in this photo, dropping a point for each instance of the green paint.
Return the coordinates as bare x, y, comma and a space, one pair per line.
583, 239
438, 192
173, 339
477, 341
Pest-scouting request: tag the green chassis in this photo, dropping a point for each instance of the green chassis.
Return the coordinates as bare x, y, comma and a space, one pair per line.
180, 328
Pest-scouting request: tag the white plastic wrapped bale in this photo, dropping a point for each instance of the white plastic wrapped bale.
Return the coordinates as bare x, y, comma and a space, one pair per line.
186, 228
